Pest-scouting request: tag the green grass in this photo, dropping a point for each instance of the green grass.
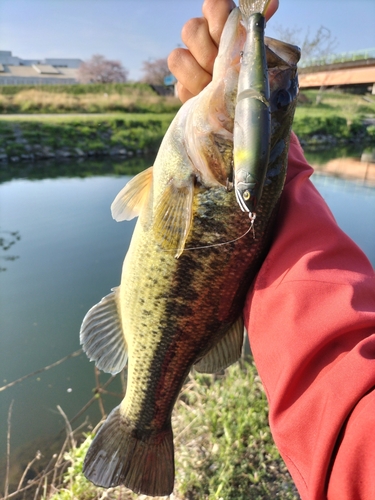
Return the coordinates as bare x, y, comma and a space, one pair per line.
336, 114
95, 134
223, 446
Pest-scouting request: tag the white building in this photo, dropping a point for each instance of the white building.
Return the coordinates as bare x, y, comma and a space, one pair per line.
15, 71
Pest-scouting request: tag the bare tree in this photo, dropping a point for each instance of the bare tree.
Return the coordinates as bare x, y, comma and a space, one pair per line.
98, 69
318, 45
155, 71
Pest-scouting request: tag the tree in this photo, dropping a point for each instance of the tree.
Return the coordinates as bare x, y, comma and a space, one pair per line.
317, 46
98, 69
155, 71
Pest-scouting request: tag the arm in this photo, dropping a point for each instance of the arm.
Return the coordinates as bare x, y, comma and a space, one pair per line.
311, 322
310, 317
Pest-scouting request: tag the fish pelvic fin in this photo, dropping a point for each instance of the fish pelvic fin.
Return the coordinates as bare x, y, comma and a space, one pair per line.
130, 200
173, 216
226, 352
102, 337
122, 455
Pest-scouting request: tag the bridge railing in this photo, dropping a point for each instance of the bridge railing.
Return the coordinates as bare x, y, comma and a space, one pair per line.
358, 55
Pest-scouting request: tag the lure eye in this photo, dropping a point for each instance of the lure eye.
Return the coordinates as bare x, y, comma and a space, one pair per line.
246, 195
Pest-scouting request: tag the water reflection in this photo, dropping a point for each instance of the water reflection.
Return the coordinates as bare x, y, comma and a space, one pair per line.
7, 240
319, 155
353, 205
52, 169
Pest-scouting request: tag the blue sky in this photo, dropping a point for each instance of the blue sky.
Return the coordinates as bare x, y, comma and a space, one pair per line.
134, 31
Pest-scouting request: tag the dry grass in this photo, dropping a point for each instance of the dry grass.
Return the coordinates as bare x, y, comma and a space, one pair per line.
223, 448
44, 101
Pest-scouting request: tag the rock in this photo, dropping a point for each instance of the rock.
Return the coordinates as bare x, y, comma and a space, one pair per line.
368, 156
63, 154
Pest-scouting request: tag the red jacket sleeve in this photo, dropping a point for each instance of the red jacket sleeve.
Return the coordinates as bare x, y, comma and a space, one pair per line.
311, 324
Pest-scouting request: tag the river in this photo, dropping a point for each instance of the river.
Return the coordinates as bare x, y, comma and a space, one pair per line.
67, 253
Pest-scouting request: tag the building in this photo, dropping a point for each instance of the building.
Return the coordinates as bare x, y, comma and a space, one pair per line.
17, 71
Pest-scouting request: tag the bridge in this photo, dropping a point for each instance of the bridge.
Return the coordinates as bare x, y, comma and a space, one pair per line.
349, 69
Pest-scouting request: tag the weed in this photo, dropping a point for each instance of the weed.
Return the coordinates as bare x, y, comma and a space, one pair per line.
223, 445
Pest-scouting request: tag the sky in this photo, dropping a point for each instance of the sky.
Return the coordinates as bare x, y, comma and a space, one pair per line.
134, 31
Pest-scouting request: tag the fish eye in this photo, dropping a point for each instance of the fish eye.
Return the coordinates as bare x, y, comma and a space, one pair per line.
246, 195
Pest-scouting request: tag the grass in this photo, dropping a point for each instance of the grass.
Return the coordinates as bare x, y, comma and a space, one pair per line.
82, 123
99, 134
223, 446
105, 98
82, 88
335, 114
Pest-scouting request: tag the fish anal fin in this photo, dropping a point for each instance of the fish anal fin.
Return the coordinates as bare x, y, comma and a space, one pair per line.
102, 337
130, 200
121, 455
173, 216
226, 352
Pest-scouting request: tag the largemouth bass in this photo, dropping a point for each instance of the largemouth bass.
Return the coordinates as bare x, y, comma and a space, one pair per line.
191, 261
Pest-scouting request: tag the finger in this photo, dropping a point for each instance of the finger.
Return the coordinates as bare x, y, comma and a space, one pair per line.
272, 8
195, 35
188, 72
183, 94
216, 13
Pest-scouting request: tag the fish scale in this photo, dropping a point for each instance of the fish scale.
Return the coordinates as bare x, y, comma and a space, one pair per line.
192, 259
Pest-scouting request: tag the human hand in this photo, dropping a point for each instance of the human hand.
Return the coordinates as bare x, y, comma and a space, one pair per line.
193, 66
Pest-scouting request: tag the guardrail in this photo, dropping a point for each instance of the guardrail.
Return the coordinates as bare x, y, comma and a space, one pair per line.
358, 55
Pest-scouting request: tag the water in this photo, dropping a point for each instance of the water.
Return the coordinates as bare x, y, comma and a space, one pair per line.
69, 255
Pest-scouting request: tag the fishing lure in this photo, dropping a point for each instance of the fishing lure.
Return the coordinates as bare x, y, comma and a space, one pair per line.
252, 121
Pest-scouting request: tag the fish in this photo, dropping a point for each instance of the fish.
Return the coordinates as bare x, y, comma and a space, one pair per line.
192, 258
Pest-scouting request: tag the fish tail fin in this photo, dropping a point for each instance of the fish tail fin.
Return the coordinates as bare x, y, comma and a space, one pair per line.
249, 7
121, 455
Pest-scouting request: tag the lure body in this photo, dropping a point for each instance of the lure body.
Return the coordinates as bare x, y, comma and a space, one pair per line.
252, 122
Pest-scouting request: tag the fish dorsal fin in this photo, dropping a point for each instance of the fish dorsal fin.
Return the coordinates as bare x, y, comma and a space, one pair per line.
226, 352
173, 216
102, 337
130, 200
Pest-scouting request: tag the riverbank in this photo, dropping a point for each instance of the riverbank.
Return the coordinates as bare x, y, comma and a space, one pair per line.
89, 121
47, 136
35, 137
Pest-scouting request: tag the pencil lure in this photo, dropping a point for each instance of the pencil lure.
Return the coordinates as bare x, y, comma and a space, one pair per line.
252, 119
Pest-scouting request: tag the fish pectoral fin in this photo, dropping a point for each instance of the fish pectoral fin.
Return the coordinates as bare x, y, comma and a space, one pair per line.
173, 216
226, 352
102, 337
121, 455
130, 200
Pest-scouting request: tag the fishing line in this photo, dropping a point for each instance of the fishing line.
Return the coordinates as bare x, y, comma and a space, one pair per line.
252, 217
